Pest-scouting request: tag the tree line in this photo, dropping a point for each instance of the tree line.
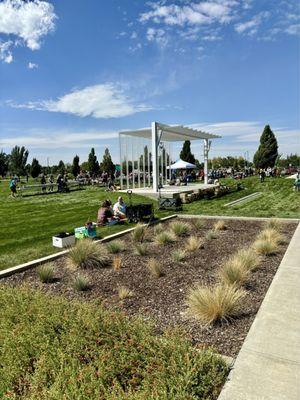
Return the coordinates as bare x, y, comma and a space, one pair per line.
15, 163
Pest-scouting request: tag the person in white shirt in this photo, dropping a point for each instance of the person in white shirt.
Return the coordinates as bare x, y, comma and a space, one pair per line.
120, 208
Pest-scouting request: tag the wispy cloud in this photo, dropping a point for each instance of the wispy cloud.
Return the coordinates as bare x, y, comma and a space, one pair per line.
251, 27
5, 51
27, 21
32, 65
99, 101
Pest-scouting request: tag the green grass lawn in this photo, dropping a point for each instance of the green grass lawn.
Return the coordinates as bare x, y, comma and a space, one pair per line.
28, 223
278, 199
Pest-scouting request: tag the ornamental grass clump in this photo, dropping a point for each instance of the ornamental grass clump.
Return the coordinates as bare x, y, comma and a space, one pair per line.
158, 229
88, 254
139, 233
81, 283
265, 247
193, 243
124, 292
211, 235
141, 249
46, 273
247, 259
115, 247
178, 255
215, 304
220, 226
164, 238
233, 273
271, 235
180, 228
155, 268
274, 223
198, 223
117, 263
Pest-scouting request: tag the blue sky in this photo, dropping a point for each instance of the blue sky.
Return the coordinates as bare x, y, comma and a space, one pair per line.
74, 73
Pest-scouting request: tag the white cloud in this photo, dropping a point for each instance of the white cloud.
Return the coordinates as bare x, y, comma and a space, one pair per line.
250, 27
27, 21
99, 101
32, 65
157, 35
5, 52
293, 29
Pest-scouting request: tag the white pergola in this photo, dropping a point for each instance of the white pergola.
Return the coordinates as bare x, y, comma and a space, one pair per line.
135, 146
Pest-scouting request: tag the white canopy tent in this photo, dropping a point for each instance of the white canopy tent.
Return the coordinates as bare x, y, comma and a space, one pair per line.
147, 152
180, 164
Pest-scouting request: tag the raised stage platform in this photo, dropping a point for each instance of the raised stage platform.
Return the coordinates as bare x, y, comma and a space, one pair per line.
171, 191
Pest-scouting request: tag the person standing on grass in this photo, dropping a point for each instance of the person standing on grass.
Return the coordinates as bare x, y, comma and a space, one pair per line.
59, 182
13, 187
43, 183
51, 181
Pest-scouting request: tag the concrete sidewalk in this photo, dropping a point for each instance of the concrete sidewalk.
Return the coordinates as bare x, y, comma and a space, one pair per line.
268, 365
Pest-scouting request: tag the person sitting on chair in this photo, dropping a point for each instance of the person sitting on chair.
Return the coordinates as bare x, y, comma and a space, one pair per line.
120, 208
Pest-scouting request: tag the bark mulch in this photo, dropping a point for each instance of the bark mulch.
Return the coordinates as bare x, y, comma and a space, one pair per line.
162, 300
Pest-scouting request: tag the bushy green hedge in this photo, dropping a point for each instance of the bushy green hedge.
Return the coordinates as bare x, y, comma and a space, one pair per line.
53, 349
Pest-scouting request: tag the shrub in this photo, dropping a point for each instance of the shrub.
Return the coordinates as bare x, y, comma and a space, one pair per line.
220, 226
271, 235
139, 233
117, 263
87, 254
233, 273
198, 223
62, 346
46, 273
178, 255
211, 235
214, 304
193, 243
81, 283
124, 292
265, 247
274, 223
141, 249
180, 228
155, 268
247, 259
164, 238
115, 246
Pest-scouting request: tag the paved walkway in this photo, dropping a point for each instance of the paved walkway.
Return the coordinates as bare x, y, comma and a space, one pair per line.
268, 365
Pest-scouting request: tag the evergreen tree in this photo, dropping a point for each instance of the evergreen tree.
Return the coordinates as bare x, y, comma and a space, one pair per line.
61, 168
267, 152
93, 162
4, 160
75, 166
107, 165
17, 160
35, 168
186, 154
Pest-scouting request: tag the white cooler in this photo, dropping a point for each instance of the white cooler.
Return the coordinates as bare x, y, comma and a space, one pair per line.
63, 240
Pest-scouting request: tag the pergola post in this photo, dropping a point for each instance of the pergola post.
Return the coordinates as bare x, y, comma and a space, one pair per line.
154, 156
206, 161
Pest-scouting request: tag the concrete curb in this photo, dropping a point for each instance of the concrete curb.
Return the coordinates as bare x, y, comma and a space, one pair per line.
285, 220
268, 364
251, 196
52, 257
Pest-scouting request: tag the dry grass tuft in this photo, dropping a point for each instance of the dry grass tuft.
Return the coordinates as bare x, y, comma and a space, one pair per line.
198, 223
117, 263
274, 223
178, 255
115, 246
220, 226
139, 233
265, 247
124, 292
272, 235
158, 229
247, 259
141, 249
164, 238
155, 268
193, 244
233, 273
87, 254
180, 228
214, 304
46, 273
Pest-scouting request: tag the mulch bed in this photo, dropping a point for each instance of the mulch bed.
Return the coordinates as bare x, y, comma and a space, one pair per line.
162, 300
